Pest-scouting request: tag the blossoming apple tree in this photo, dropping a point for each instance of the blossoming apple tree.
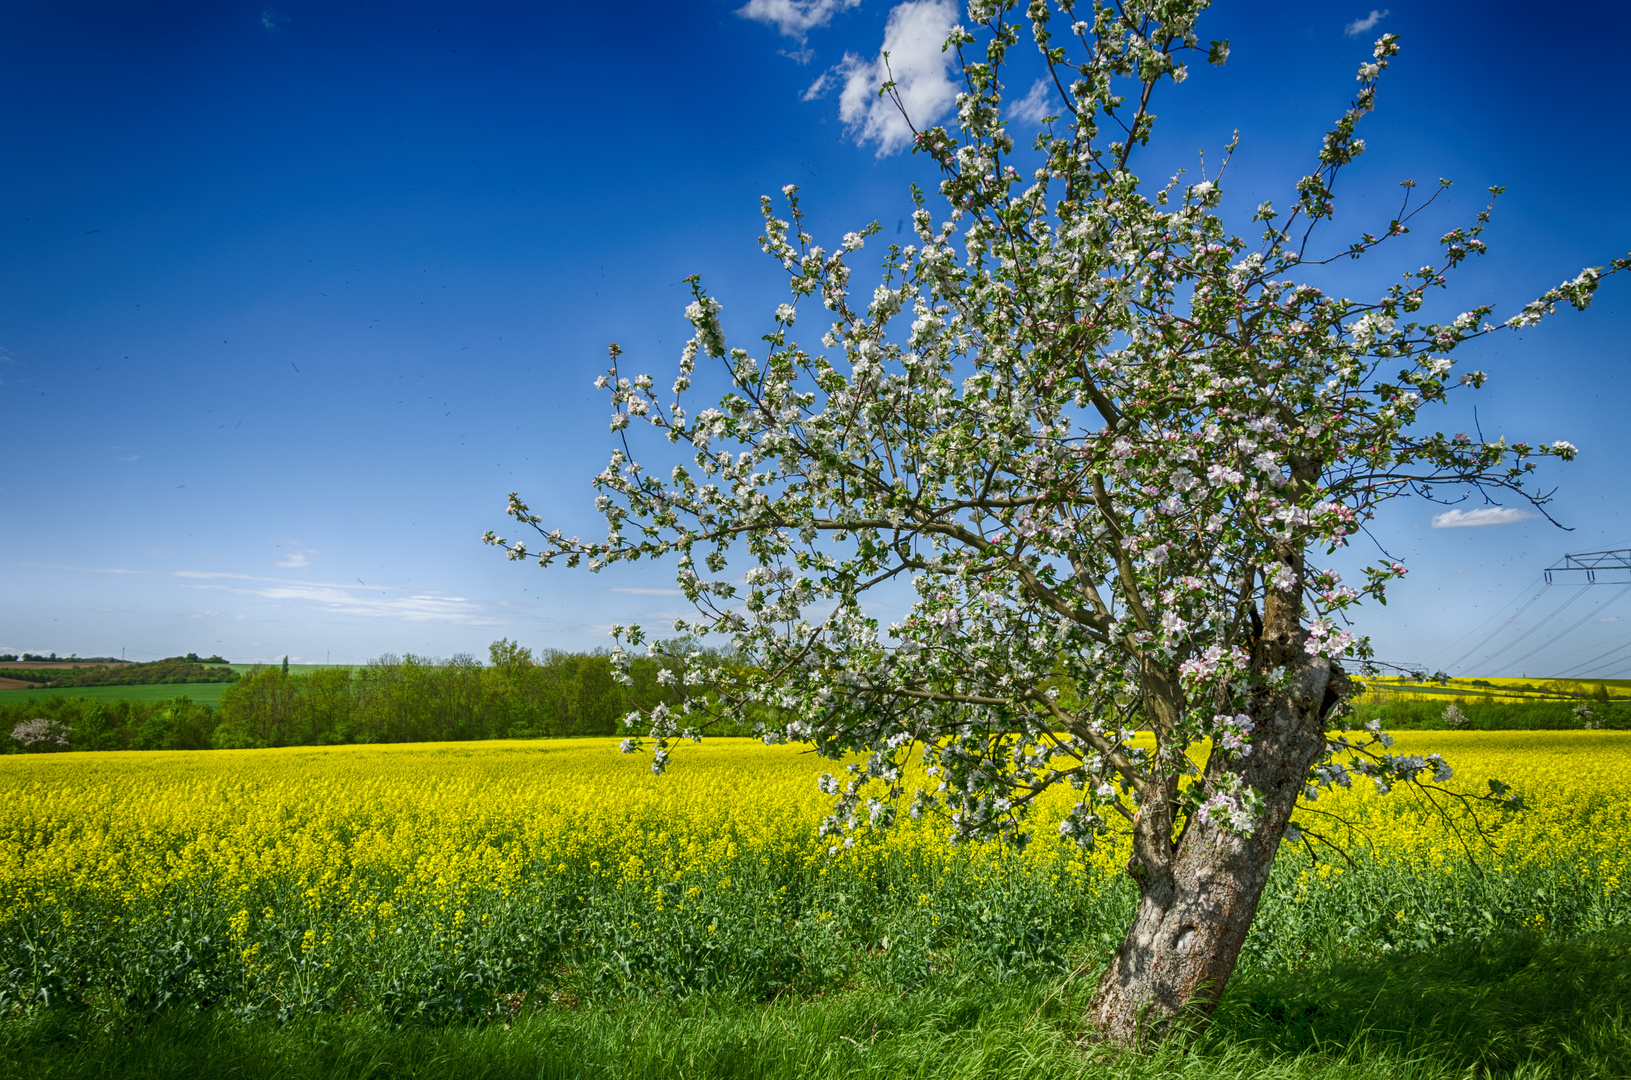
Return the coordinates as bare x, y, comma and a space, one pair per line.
1106, 441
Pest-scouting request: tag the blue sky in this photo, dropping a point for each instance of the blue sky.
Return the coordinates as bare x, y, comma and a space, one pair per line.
293, 295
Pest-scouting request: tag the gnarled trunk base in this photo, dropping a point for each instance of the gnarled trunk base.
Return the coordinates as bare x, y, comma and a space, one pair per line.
1197, 900
1177, 957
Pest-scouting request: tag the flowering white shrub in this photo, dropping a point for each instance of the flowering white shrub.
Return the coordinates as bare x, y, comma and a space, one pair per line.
1100, 435
40, 732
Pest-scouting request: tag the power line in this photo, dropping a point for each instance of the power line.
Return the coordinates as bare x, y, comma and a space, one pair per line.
1446, 648
1609, 666
1604, 661
1571, 627
1524, 636
1611, 562
1539, 590
1595, 662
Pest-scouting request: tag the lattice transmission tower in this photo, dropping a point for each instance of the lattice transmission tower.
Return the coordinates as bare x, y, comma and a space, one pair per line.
1616, 563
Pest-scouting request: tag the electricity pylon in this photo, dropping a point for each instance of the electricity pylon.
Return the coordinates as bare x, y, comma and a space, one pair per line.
1616, 564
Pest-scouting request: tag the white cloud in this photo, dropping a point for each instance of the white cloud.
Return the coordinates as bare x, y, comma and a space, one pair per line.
1609, 618
1040, 102
296, 559
820, 87
1489, 515
912, 38
795, 18
645, 590
1359, 26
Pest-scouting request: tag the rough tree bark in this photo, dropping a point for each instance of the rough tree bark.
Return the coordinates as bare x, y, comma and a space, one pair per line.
1198, 894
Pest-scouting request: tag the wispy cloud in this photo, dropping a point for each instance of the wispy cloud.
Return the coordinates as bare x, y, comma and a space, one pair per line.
1040, 102
297, 559
645, 590
1610, 618
819, 88
667, 618
368, 601
347, 600
1489, 515
654, 623
273, 21
795, 18
1359, 26
912, 40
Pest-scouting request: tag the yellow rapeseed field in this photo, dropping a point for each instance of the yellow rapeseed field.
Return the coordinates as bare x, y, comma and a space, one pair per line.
309, 855
369, 825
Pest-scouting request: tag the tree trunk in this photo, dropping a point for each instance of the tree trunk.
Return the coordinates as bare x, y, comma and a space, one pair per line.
1197, 899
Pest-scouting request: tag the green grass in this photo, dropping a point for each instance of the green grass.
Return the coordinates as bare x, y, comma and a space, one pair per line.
203, 693
1517, 1008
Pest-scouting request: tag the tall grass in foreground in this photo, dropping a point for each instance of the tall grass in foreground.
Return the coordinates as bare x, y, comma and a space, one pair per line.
1518, 1007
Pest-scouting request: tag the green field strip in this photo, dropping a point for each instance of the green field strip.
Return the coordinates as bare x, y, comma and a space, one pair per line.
203, 693
294, 669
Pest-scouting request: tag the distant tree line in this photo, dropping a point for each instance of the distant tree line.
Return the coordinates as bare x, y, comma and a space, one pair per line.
173, 670
517, 694
36, 658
